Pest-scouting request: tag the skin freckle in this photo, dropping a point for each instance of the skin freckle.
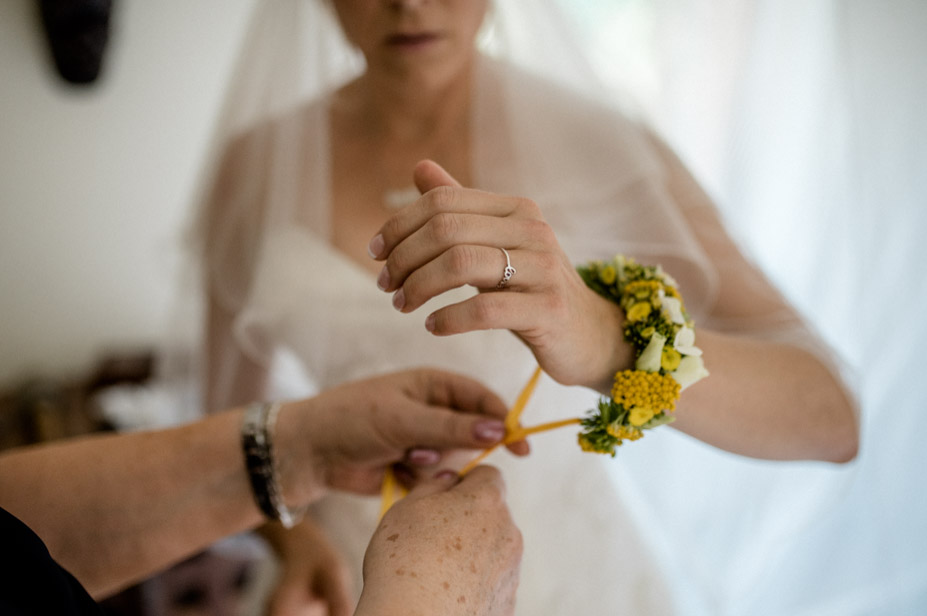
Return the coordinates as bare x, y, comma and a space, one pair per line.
393, 555
393, 537
472, 568
445, 585
400, 571
461, 599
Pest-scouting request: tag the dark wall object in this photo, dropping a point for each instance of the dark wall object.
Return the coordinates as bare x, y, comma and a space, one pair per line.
78, 31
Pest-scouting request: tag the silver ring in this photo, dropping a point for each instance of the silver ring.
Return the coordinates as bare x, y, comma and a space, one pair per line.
508, 272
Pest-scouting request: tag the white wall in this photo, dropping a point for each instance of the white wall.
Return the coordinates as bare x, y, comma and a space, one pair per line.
95, 183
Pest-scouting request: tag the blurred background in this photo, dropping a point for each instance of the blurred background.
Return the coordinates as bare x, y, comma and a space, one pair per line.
804, 119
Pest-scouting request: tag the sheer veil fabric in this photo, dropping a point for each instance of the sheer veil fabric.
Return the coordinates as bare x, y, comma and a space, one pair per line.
671, 525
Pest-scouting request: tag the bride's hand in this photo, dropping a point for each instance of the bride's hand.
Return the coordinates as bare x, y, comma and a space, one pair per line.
453, 236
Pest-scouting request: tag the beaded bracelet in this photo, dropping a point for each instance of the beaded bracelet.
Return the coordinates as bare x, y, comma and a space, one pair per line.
257, 445
667, 361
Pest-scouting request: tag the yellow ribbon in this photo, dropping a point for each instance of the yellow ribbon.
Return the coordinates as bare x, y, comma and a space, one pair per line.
513, 433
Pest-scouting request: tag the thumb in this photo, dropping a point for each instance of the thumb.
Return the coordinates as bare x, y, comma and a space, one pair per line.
428, 175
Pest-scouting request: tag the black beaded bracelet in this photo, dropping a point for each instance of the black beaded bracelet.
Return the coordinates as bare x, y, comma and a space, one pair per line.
257, 446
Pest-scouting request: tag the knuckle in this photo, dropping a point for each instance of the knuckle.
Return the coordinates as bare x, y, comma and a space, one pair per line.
443, 227
460, 260
528, 207
540, 231
441, 199
547, 262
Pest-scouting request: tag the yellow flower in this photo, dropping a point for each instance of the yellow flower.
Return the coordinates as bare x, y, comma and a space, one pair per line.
586, 445
607, 274
671, 358
648, 332
642, 289
639, 311
640, 415
645, 389
624, 432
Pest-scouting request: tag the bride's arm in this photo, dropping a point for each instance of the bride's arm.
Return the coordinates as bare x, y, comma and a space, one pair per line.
766, 396
764, 399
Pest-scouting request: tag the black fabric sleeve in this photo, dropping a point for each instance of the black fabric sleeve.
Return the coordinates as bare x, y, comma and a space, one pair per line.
31, 582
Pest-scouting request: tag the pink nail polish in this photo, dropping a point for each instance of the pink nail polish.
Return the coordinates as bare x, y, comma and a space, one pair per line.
424, 457
430, 323
490, 430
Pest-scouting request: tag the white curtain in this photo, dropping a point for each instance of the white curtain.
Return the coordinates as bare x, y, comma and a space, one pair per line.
806, 121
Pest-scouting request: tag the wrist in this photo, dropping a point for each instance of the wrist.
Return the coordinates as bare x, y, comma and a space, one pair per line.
615, 354
301, 466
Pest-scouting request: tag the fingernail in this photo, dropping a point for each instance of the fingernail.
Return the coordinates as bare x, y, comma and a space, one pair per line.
424, 457
399, 299
376, 246
446, 475
430, 323
490, 430
383, 279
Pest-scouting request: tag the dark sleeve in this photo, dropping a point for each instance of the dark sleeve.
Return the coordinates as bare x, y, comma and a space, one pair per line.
31, 582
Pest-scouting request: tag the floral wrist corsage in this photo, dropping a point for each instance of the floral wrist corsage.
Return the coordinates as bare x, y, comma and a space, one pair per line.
666, 358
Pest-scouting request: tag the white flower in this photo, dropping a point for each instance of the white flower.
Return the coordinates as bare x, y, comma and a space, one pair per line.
667, 279
650, 357
672, 308
685, 342
691, 370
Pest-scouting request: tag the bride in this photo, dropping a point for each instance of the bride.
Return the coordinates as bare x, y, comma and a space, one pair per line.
333, 107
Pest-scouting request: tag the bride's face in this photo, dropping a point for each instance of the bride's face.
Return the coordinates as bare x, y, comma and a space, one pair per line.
428, 39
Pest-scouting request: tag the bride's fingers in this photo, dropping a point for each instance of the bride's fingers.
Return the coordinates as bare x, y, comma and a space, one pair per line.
518, 312
445, 200
446, 231
429, 175
479, 266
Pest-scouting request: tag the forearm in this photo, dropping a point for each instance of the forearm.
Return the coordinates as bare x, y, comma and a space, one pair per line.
768, 400
115, 508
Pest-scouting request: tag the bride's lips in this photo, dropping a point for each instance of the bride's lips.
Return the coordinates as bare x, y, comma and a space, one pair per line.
412, 41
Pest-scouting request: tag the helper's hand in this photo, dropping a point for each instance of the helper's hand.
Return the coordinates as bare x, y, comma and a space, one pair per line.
450, 547
453, 236
313, 577
346, 437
